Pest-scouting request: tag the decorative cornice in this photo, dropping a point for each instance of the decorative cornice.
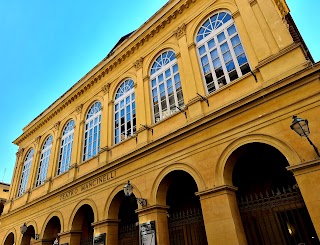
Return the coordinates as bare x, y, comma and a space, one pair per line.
138, 64
181, 31
112, 61
105, 88
282, 6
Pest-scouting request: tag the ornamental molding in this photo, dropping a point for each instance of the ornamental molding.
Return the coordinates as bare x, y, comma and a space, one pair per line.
180, 32
111, 102
138, 64
56, 126
111, 62
146, 78
37, 140
282, 7
79, 109
105, 88
19, 152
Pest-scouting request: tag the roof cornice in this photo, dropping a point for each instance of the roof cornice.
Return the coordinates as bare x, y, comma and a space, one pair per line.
162, 18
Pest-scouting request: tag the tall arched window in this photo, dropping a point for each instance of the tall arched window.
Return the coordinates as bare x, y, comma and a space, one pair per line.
44, 161
221, 54
125, 111
166, 88
66, 148
25, 173
92, 132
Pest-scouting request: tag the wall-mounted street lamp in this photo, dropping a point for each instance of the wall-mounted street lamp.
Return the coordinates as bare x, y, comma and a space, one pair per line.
300, 126
23, 228
128, 190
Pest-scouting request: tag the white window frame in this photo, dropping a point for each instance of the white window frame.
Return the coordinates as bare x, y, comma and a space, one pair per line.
25, 173
204, 42
65, 152
44, 161
92, 128
154, 76
124, 100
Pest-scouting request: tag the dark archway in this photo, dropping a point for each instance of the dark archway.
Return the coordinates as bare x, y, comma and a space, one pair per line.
52, 229
128, 228
9, 240
82, 222
30, 233
185, 220
271, 206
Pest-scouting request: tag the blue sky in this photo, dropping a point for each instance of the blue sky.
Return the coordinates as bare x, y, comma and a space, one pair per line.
46, 46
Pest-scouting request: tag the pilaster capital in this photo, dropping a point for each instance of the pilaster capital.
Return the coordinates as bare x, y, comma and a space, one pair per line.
79, 108
180, 32
138, 64
105, 88
19, 152
217, 191
56, 126
111, 102
37, 140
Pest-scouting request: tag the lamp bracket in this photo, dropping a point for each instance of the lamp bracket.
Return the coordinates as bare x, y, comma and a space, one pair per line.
142, 201
203, 98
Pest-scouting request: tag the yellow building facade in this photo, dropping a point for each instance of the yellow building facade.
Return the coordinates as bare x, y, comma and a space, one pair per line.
194, 109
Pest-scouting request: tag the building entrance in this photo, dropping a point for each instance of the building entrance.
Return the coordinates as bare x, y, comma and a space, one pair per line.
185, 220
128, 229
270, 203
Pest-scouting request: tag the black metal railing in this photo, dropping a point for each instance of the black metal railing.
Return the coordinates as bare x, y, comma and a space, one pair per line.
186, 227
276, 217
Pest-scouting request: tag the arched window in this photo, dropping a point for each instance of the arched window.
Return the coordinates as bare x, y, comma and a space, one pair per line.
44, 161
124, 111
221, 54
92, 132
66, 148
166, 88
25, 173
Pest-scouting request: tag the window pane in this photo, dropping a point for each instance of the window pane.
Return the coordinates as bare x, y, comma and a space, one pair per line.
231, 30
221, 37
202, 50
211, 44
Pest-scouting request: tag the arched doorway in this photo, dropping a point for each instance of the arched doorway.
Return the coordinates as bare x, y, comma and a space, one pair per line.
52, 229
128, 228
271, 206
82, 222
185, 220
10, 239
30, 233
